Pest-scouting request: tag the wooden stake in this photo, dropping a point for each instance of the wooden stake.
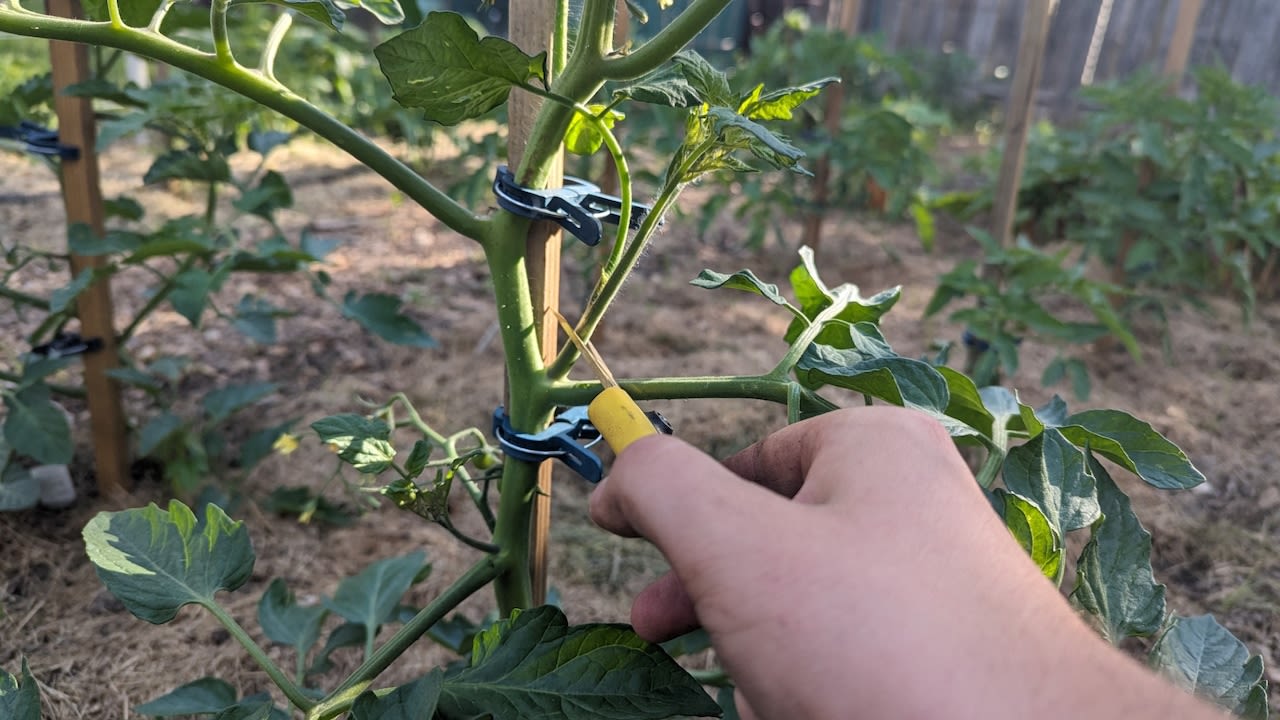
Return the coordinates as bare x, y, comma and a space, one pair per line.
531, 27
1026, 76
849, 13
1184, 35
83, 198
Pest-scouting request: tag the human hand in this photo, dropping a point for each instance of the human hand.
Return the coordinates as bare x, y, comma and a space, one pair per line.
862, 573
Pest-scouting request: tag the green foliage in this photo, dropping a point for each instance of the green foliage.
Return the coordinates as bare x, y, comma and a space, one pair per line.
531, 663
1205, 658
1176, 195
1012, 290
19, 695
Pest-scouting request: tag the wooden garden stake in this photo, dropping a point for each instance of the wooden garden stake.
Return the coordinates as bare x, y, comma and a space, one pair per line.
850, 12
531, 26
1026, 76
83, 198
1184, 35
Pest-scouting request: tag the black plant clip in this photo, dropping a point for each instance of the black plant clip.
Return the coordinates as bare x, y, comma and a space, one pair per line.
578, 207
39, 140
65, 345
562, 440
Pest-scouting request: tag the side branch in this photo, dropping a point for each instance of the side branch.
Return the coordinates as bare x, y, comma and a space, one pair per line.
260, 89
668, 42
751, 387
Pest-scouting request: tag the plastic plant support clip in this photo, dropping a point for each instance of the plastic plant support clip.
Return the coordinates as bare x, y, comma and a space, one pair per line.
578, 207
563, 440
38, 140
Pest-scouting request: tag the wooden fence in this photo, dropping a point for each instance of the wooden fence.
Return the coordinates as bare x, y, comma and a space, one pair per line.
1095, 40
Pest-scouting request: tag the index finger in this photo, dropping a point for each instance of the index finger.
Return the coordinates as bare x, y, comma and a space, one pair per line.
873, 439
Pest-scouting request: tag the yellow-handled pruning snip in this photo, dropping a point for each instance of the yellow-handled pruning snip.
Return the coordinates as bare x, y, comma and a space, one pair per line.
618, 418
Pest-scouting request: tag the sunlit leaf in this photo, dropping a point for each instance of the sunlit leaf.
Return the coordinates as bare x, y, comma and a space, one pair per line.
741, 280
583, 137
1032, 530
155, 561
445, 69
781, 104
814, 297
324, 12
662, 89
357, 440
535, 666
760, 140
388, 12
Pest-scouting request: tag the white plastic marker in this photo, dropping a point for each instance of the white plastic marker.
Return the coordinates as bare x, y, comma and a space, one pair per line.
618, 418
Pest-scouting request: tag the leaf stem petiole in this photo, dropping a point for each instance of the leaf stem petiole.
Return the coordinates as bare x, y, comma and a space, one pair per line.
291, 691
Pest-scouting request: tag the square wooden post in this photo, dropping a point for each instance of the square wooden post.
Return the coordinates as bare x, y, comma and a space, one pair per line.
82, 195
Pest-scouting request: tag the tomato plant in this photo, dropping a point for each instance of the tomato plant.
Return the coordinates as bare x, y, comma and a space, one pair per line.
1043, 468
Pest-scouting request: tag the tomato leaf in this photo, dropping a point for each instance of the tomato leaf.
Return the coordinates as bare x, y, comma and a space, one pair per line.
62, 298
1114, 582
324, 12
760, 140
661, 88
1205, 658
814, 296
361, 442
288, 623
37, 428
1050, 472
270, 194
535, 665
709, 84
1033, 531
369, 598
415, 701
187, 165
582, 137
388, 12
965, 403
741, 280
780, 104
897, 380
1135, 445
206, 695
155, 561
19, 695
444, 68
223, 402
419, 456
380, 314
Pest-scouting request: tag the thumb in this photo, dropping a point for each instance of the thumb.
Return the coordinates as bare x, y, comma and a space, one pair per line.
699, 514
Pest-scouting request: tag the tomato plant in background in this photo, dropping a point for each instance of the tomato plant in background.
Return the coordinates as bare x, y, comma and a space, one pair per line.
1043, 467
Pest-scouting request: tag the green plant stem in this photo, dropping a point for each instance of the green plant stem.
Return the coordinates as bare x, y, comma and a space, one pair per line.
221, 38
113, 12
666, 43
291, 691
608, 289
211, 205
260, 89
157, 19
757, 387
806, 338
560, 42
155, 300
267, 65
468, 540
477, 495
24, 299
715, 677
65, 390
480, 574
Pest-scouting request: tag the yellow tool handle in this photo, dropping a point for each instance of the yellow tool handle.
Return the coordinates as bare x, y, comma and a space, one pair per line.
618, 418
